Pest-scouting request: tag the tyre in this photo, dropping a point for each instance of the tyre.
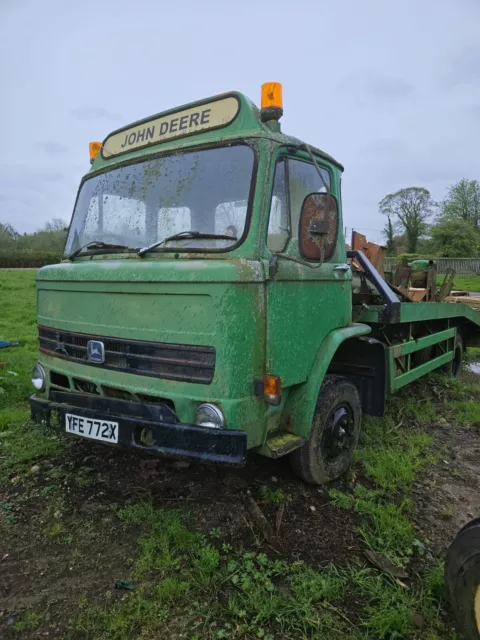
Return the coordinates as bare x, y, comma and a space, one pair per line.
334, 435
462, 579
455, 367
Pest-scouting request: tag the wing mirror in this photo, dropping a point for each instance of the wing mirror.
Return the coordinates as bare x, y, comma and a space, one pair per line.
318, 227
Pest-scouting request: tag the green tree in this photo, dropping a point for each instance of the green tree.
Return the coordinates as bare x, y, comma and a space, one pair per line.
455, 239
389, 233
51, 238
462, 203
410, 210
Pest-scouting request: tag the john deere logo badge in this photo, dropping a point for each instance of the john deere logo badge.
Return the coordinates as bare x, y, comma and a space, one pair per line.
204, 117
95, 351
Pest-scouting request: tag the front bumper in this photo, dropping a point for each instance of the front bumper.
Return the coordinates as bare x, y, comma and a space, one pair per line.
169, 438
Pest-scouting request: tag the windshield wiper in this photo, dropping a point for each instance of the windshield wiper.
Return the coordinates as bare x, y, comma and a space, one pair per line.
97, 244
186, 235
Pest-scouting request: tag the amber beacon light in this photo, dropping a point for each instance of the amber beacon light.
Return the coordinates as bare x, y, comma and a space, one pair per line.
94, 148
272, 103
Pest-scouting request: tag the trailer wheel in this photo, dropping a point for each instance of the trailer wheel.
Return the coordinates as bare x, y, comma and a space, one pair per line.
462, 579
455, 367
334, 434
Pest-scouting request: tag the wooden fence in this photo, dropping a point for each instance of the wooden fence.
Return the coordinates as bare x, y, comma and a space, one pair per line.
462, 266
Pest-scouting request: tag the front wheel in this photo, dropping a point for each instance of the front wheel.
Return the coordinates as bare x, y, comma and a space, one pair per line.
462, 579
334, 434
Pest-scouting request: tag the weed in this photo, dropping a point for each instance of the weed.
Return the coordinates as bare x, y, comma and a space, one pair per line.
137, 616
254, 570
24, 444
6, 513
170, 590
391, 613
434, 582
55, 530
260, 597
274, 496
447, 514
30, 620
391, 459
387, 528
312, 587
56, 473
465, 413
258, 594
394, 468
205, 562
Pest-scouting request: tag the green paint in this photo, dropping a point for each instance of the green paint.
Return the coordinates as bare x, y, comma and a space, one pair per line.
417, 372
280, 444
422, 311
416, 345
300, 406
420, 265
395, 354
288, 321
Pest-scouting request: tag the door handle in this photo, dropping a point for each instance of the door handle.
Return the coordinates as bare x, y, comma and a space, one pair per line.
342, 267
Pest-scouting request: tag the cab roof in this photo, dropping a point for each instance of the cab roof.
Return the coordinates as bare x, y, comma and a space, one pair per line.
228, 116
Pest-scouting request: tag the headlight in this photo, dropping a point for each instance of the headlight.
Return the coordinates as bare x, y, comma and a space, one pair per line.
208, 415
38, 377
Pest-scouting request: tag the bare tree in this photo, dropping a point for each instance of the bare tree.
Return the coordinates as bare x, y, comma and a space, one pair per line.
8, 235
56, 224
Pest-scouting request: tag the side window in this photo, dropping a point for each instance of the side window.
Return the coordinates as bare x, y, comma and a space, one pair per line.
303, 179
279, 221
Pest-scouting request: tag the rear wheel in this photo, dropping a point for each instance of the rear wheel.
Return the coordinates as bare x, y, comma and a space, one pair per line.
334, 434
455, 367
462, 579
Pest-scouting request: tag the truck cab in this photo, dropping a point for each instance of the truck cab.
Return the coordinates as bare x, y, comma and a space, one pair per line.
205, 295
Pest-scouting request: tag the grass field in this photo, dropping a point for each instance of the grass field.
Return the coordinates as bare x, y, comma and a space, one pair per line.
75, 518
463, 283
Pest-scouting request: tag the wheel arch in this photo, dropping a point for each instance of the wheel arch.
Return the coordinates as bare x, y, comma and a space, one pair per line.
469, 332
297, 415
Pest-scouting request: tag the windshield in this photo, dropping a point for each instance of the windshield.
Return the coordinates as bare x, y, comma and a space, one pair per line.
206, 192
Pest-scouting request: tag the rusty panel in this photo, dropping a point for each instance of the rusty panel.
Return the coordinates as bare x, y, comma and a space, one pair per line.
374, 252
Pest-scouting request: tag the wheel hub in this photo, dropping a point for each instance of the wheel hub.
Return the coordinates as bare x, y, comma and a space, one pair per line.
338, 435
477, 608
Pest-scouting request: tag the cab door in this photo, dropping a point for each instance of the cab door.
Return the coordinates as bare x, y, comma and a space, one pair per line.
304, 303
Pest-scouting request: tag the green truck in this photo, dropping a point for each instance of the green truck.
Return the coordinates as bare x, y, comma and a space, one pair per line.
207, 304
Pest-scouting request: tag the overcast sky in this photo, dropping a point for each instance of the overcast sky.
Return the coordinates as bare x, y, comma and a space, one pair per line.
391, 89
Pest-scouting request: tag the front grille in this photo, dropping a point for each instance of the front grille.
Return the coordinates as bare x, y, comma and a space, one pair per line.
85, 386
186, 363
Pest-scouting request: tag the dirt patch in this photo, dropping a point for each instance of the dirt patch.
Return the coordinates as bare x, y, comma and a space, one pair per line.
447, 495
61, 538
52, 558
215, 498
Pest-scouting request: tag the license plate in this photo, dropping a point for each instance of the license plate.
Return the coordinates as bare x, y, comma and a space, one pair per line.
89, 428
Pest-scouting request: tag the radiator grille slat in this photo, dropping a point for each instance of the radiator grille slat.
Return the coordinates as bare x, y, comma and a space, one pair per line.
186, 363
